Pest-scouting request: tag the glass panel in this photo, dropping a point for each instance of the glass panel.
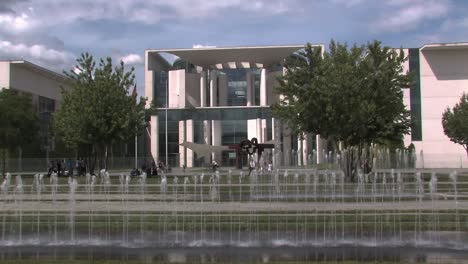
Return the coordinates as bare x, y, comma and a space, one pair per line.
159, 90
237, 85
415, 95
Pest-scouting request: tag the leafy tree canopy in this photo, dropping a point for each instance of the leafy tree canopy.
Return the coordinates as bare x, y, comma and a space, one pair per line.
353, 95
455, 122
100, 108
19, 123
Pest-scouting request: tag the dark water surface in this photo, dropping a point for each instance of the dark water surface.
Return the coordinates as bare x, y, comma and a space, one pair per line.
231, 254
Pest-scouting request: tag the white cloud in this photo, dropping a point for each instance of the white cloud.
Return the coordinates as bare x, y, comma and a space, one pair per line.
411, 14
132, 59
40, 54
348, 3
141, 11
15, 23
200, 46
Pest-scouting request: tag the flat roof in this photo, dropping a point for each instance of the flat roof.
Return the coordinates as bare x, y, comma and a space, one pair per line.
445, 46
210, 56
38, 69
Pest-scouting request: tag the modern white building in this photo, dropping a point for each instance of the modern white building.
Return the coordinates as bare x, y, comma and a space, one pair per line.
441, 77
44, 86
220, 96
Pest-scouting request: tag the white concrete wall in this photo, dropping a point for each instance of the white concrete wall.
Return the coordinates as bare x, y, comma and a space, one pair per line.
406, 95
177, 89
33, 81
154, 144
216, 138
272, 96
4, 74
444, 78
149, 78
252, 129
182, 140
223, 90
192, 90
189, 138
184, 89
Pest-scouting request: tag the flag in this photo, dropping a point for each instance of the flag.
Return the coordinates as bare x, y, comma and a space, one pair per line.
134, 93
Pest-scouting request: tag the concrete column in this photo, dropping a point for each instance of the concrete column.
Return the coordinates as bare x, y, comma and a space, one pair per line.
321, 146
299, 151
263, 87
259, 130
251, 128
216, 138
189, 132
213, 90
250, 89
305, 149
154, 132
207, 132
177, 89
264, 130
149, 80
223, 90
182, 140
275, 136
203, 89
287, 144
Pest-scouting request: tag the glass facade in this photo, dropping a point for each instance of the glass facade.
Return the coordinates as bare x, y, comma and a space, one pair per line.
220, 113
257, 78
46, 107
160, 79
415, 95
233, 132
234, 125
237, 85
172, 140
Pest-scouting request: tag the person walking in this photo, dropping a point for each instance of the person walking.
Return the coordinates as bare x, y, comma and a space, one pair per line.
251, 165
78, 166
59, 167
70, 167
50, 168
215, 165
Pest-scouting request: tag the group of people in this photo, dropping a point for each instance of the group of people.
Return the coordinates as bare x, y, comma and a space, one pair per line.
260, 165
151, 170
67, 167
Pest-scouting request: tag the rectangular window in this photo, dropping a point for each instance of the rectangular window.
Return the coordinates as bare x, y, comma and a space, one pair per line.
415, 95
160, 82
172, 140
46, 107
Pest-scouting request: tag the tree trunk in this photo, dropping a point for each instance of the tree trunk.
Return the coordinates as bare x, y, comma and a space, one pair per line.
106, 156
3, 163
94, 159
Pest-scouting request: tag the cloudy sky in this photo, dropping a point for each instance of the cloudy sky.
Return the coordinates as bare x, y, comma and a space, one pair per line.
52, 33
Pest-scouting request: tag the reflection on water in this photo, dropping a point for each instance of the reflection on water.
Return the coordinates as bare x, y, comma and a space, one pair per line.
301, 216
223, 254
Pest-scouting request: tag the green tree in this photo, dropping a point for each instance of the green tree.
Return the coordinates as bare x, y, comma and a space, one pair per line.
352, 96
455, 122
100, 108
19, 123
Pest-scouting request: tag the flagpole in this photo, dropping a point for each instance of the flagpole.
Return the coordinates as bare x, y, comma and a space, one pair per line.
167, 105
134, 93
136, 151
